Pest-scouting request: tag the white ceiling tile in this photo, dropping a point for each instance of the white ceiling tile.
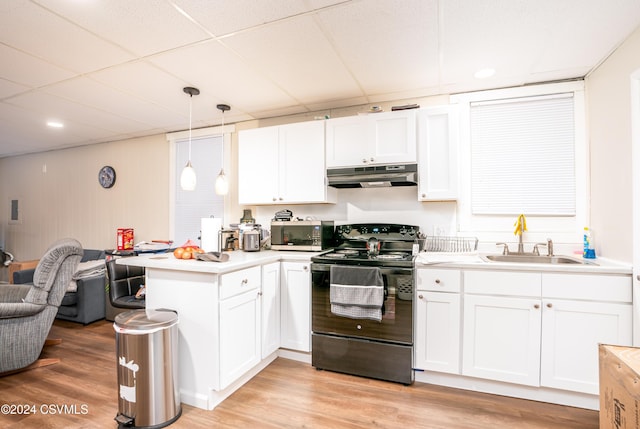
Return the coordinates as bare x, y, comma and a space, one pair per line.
215, 70
90, 93
27, 70
33, 29
294, 62
8, 88
48, 106
388, 45
144, 80
143, 27
222, 17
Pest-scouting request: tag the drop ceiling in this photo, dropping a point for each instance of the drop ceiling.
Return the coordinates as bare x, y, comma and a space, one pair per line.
114, 69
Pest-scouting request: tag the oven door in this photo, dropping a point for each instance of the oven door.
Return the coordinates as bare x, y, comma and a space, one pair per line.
397, 318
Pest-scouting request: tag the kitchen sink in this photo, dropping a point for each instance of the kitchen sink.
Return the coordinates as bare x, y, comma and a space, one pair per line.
535, 259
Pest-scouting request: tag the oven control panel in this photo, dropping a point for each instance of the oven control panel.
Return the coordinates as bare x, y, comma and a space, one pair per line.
379, 230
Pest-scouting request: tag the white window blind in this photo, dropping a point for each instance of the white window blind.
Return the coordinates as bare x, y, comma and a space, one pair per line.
202, 202
523, 156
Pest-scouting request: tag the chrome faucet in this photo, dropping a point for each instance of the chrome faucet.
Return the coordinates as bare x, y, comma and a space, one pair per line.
505, 248
520, 244
521, 227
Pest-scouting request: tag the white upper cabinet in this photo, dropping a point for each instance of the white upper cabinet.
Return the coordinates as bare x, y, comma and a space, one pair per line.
372, 139
438, 153
283, 165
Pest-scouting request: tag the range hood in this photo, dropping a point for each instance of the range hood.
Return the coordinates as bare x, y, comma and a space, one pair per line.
379, 176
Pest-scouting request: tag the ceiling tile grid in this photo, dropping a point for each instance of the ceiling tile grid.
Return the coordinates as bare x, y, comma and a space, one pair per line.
114, 69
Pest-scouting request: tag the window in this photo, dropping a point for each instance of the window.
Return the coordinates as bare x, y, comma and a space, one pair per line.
523, 151
202, 202
208, 152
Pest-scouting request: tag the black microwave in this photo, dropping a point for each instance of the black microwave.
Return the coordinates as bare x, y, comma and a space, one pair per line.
307, 235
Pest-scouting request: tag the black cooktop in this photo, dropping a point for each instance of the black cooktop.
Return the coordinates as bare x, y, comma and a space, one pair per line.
396, 245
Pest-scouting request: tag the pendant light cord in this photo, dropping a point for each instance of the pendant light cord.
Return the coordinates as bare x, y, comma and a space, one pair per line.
190, 115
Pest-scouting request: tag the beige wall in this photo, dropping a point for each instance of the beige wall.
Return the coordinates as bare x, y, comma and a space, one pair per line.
67, 200
609, 118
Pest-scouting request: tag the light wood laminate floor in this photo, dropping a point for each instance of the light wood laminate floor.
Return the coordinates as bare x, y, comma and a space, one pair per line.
287, 394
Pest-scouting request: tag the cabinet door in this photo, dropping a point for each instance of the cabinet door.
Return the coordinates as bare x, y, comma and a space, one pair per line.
392, 137
258, 166
571, 332
295, 310
346, 141
270, 308
302, 163
501, 339
438, 154
437, 341
239, 336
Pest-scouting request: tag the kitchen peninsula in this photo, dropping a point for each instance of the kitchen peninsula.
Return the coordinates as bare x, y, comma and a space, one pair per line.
229, 318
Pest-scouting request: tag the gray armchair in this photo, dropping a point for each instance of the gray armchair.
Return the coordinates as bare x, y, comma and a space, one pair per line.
27, 311
87, 303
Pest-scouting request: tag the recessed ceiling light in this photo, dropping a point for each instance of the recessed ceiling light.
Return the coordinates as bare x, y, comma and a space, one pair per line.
55, 124
484, 73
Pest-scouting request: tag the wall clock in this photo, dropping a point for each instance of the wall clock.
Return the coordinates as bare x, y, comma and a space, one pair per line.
107, 176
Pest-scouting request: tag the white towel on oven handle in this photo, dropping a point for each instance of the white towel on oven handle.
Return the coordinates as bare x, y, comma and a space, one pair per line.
356, 292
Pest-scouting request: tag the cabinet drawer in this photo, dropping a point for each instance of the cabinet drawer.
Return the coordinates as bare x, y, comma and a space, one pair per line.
239, 281
508, 283
438, 280
587, 286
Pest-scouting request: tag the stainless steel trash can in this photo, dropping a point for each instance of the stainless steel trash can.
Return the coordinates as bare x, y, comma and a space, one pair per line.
147, 354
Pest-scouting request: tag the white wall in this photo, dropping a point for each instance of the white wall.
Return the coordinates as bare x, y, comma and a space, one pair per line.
60, 196
609, 118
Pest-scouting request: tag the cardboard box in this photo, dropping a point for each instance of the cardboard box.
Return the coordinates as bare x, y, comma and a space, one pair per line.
125, 239
619, 387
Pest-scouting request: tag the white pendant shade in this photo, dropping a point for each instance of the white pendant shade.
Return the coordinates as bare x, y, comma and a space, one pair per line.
188, 178
222, 185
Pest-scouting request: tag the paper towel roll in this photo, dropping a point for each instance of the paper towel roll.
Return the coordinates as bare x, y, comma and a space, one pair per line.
209, 228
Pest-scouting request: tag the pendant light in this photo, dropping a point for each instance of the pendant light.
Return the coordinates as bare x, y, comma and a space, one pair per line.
188, 176
222, 185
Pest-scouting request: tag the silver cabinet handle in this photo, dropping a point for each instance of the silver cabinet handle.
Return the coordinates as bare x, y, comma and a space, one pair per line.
244, 281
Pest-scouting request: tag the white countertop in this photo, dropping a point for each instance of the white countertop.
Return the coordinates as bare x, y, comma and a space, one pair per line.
240, 259
237, 260
474, 261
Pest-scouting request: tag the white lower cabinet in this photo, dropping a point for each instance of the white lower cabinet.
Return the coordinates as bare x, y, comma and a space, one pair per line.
502, 339
549, 335
437, 334
600, 312
295, 306
239, 336
270, 308
240, 333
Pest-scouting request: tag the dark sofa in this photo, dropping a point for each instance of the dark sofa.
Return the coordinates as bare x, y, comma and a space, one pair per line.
88, 303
